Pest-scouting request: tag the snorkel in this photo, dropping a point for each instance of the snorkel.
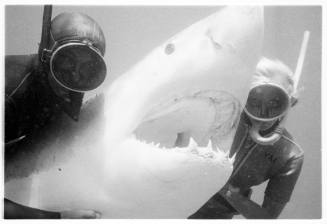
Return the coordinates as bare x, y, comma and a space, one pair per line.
45, 36
282, 117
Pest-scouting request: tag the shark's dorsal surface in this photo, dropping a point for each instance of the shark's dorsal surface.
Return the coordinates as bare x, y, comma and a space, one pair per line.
120, 158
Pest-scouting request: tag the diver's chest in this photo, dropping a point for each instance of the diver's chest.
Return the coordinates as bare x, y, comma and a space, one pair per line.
253, 168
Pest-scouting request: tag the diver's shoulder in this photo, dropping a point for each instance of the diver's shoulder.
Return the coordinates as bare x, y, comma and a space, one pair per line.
17, 68
289, 147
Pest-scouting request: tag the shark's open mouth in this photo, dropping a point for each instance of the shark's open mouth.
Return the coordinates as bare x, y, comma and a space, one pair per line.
196, 124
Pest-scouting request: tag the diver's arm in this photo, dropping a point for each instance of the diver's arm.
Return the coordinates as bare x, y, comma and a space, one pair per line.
13, 210
277, 193
248, 208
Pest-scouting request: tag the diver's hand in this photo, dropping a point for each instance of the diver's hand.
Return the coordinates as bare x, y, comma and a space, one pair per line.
80, 214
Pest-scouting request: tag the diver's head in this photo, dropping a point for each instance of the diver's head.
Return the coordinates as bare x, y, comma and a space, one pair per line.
75, 54
74, 59
271, 95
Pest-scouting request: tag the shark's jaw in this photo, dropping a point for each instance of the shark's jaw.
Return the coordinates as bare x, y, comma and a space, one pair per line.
205, 120
176, 175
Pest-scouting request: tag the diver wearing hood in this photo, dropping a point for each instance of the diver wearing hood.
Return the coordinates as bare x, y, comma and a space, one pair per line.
264, 150
42, 87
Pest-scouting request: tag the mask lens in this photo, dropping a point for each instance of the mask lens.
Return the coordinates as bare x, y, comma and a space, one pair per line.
78, 67
267, 102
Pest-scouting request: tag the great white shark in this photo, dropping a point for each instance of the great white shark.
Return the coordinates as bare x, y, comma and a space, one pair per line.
120, 158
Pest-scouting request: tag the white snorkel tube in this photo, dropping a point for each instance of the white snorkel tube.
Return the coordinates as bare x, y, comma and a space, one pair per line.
276, 134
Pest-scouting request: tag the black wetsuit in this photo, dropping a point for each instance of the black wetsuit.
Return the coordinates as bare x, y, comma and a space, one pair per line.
30, 106
30, 102
280, 164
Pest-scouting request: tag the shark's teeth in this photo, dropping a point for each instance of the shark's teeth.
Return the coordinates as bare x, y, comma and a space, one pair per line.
232, 159
206, 152
192, 143
211, 151
192, 146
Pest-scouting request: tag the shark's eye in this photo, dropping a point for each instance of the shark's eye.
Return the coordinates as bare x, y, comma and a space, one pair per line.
170, 48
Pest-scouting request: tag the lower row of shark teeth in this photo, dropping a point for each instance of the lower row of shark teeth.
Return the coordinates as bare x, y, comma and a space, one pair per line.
206, 152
